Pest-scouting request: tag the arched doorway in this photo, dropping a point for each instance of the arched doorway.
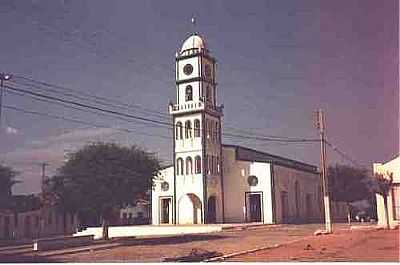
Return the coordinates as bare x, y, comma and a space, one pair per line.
212, 210
190, 209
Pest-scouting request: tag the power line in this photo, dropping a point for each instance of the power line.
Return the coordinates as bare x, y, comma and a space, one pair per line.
120, 104
76, 108
143, 119
155, 122
343, 154
104, 100
78, 121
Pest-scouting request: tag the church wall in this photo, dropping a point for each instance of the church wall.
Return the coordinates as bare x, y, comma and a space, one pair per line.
166, 175
236, 185
285, 181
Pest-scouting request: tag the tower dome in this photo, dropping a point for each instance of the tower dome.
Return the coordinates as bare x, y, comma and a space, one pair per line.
193, 43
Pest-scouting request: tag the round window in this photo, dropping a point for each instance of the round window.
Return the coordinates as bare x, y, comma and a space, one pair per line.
164, 186
252, 180
188, 69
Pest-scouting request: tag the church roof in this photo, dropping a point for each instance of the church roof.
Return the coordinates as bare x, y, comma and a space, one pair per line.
248, 154
193, 42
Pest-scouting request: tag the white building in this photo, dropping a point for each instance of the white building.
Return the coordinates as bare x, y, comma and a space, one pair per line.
393, 199
215, 183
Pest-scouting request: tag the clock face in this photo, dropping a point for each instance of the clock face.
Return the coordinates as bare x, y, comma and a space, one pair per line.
207, 70
188, 69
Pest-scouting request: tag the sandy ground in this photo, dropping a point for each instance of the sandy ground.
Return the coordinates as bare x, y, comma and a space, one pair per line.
343, 245
368, 246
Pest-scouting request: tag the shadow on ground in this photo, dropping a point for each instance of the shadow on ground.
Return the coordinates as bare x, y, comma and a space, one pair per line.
180, 239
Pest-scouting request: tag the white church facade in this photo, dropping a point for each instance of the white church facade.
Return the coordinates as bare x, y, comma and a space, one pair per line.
214, 183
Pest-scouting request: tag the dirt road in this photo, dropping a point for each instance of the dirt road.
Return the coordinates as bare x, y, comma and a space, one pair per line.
361, 245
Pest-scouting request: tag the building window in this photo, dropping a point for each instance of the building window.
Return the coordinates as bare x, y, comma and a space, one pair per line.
178, 130
189, 93
216, 132
211, 164
208, 94
179, 166
218, 165
395, 201
188, 129
197, 162
206, 166
196, 128
208, 129
189, 166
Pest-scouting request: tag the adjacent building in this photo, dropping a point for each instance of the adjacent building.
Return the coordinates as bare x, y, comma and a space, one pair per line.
393, 200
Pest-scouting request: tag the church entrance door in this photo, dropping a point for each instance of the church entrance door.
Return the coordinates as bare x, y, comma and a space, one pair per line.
253, 207
190, 209
212, 210
165, 210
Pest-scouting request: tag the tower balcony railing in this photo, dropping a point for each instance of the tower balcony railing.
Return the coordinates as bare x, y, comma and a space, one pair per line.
193, 106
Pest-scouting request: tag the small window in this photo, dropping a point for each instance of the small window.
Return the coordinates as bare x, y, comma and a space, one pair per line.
197, 162
188, 129
196, 128
206, 166
178, 130
208, 94
189, 93
189, 166
179, 166
216, 132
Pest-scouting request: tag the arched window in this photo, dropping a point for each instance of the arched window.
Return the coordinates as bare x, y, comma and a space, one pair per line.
189, 166
208, 94
178, 130
189, 93
218, 165
197, 164
206, 165
196, 128
188, 129
208, 129
211, 164
216, 132
179, 166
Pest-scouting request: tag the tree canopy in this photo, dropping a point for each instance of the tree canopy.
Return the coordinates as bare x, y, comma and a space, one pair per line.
7, 180
102, 176
348, 184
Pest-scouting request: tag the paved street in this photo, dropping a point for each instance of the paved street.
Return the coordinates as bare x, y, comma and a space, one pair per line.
357, 245
157, 249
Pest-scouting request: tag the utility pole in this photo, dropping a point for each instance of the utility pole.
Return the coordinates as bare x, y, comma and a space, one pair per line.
44, 165
3, 77
321, 126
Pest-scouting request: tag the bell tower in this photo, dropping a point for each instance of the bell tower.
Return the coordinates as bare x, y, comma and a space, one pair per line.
197, 148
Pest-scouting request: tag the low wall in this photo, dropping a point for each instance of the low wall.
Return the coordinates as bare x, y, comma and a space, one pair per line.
149, 230
61, 242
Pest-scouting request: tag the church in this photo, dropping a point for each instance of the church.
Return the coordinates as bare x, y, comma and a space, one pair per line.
210, 182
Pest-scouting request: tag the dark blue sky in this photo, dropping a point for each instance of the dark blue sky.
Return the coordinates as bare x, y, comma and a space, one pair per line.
277, 62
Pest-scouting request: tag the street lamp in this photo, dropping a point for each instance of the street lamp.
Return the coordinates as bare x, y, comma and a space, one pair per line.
3, 77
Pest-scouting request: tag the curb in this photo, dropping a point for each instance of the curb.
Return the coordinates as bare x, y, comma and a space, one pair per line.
73, 251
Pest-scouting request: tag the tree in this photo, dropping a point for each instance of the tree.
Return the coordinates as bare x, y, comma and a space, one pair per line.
7, 180
102, 176
383, 186
348, 184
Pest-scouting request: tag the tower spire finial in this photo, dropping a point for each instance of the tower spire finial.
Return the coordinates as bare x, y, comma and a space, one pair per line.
193, 20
